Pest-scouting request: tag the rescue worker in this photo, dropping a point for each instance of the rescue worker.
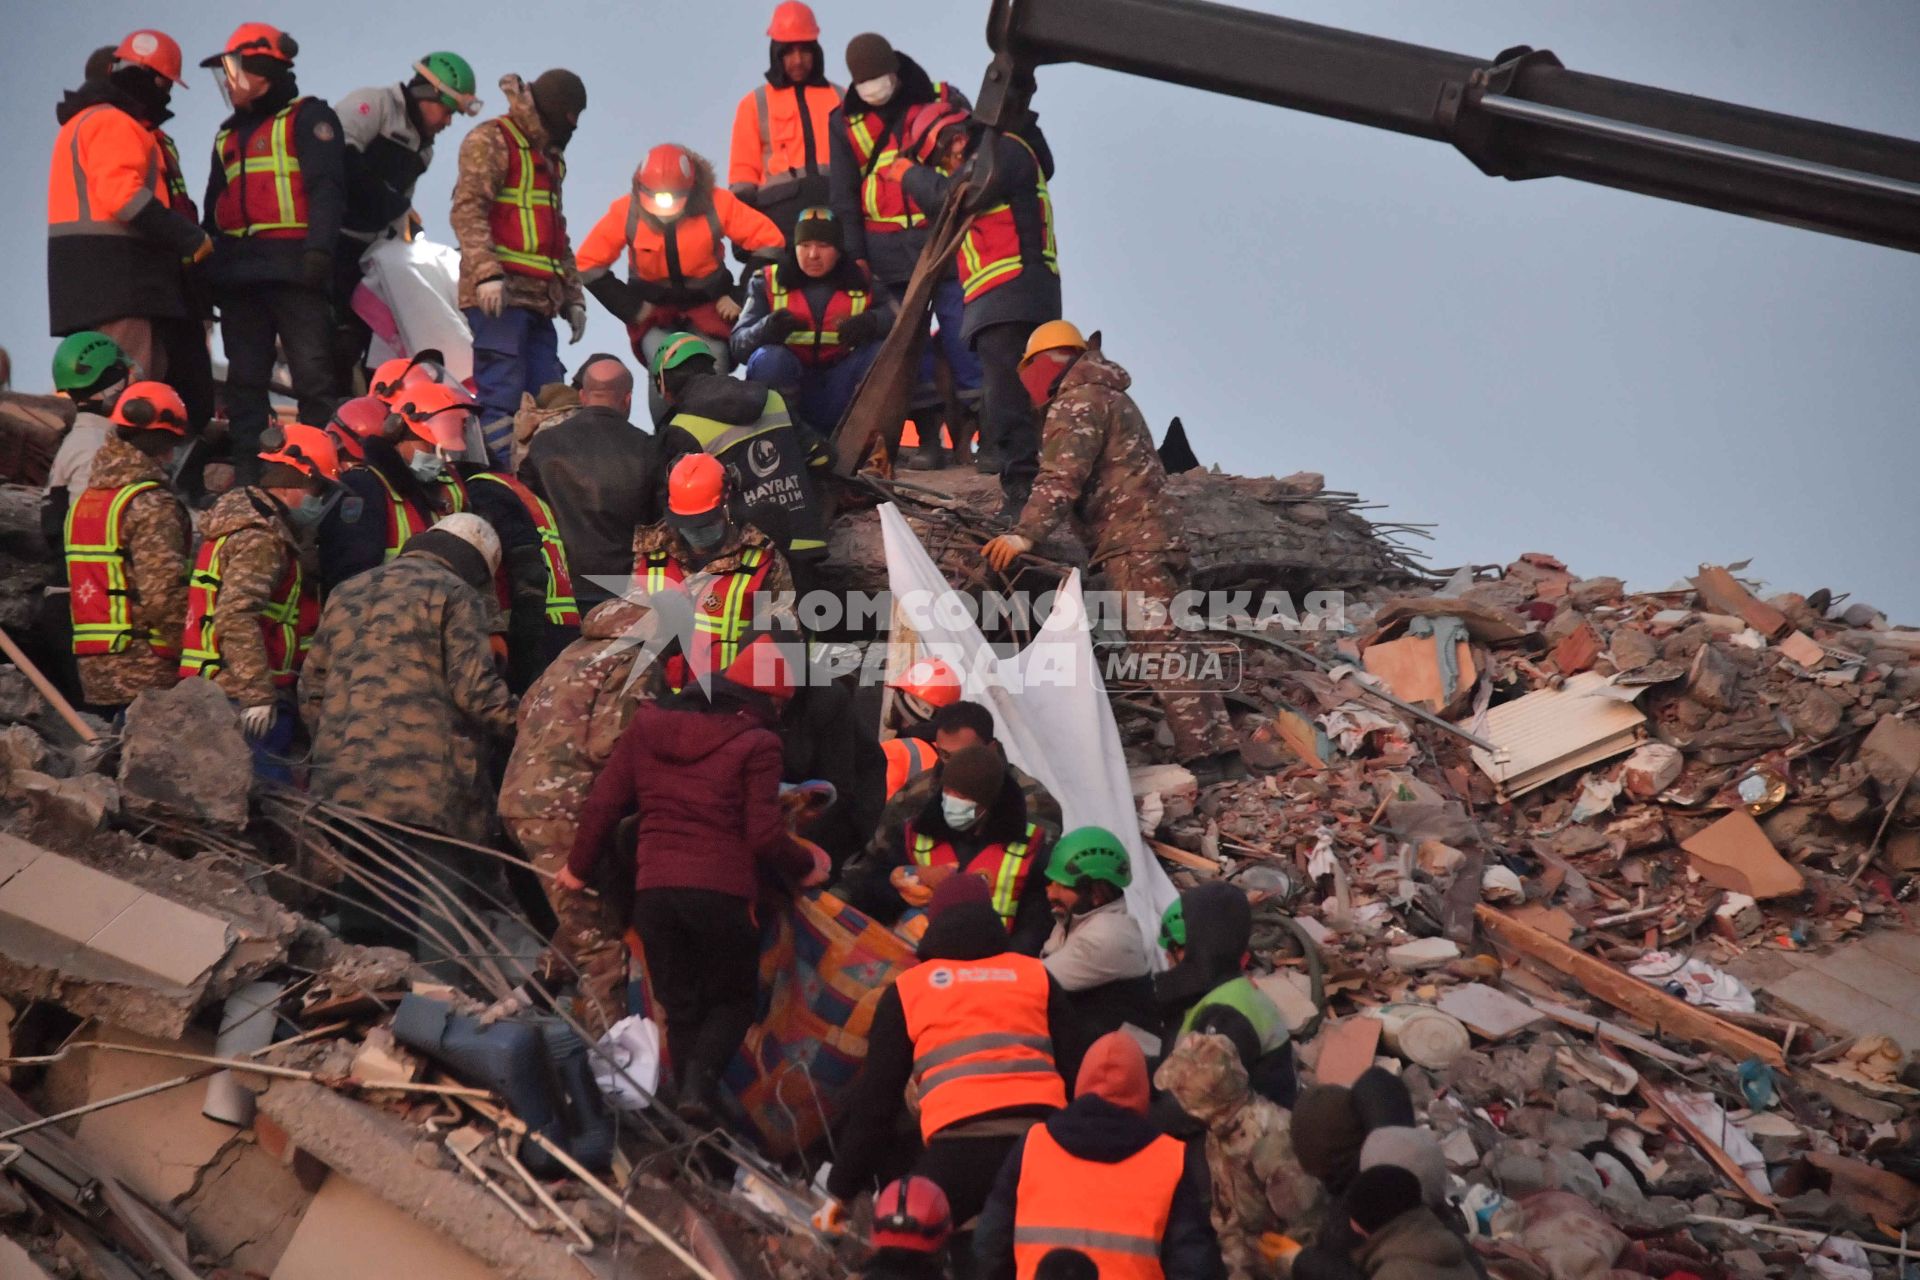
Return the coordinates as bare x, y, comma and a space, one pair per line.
403, 702
919, 693
516, 262
673, 227
1400, 1237
384, 501
701, 770
773, 460
911, 1226
778, 162
740, 571
812, 322
275, 200
568, 723
250, 610
1207, 934
127, 541
1148, 1214
389, 132
90, 369
1260, 1192
1100, 470
983, 1035
1008, 263
602, 474
1095, 951
115, 245
351, 424
884, 228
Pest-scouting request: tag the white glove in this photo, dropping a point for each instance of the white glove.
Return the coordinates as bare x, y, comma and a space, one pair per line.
492, 296
729, 309
577, 321
255, 721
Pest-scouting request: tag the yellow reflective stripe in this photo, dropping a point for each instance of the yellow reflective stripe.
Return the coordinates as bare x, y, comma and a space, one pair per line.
282, 161
112, 554
525, 198
923, 850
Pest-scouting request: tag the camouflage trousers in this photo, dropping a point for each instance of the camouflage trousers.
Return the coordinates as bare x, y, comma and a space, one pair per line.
1198, 720
587, 938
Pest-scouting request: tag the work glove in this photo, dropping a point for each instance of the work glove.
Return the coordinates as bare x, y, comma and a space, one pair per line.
577, 322
492, 296
868, 326
782, 325
256, 721
830, 1219
729, 309
1003, 550
316, 269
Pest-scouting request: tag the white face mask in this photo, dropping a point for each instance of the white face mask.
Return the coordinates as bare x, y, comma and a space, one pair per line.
958, 811
878, 91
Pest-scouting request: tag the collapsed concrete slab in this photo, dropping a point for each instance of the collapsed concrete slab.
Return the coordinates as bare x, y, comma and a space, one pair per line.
182, 755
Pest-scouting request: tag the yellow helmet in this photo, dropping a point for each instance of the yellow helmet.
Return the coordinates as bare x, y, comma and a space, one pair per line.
1054, 335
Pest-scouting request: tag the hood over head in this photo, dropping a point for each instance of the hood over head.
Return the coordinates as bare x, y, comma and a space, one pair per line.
777, 74
699, 199
1115, 1069
1205, 1075
611, 619
522, 111
1092, 369
1219, 930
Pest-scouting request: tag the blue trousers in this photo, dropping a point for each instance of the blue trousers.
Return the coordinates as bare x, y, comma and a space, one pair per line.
515, 351
821, 394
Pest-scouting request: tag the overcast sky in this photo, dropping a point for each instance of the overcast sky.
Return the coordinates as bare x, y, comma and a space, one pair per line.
1633, 385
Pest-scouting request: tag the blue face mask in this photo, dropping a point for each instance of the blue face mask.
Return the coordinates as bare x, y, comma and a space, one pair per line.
958, 811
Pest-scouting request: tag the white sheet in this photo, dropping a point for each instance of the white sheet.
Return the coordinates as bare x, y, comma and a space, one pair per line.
418, 281
1049, 706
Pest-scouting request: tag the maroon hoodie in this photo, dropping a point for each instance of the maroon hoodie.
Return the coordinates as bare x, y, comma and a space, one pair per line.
706, 786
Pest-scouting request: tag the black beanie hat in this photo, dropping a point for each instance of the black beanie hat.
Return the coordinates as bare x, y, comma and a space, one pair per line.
869, 57
559, 95
820, 226
1381, 1194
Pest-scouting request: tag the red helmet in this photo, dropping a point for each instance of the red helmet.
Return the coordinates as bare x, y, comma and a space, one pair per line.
155, 50
436, 413
151, 406
667, 170
911, 1214
306, 449
793, 23
356, 420
925, 123
764, 666
261, 38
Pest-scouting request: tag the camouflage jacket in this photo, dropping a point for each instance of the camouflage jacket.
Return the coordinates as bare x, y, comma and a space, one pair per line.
1258, 1184
484, 153
777, 586
1098, 465
259, 545
156, 536
400, 694
572, 716
888, 848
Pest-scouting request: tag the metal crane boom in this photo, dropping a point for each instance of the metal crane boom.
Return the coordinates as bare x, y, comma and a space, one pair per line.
1522, 115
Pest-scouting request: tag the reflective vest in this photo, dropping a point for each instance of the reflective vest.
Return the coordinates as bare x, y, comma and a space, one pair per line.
106, 166
287, 623
883, 200
525, 217
265, 197
776, 491
562, 611
403, 518
1251, 1003
1120, 1225
980, 1037
97, 573
792, 136
991, 254
907, 759
721, 617
817, 340
1005, 867
175, 177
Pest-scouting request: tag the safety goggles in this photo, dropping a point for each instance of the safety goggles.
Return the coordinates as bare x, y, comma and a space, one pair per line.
465, 103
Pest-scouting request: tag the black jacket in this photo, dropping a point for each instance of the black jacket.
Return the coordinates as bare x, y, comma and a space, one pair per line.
242, 260
774, 470
970, 931
1094, 1129
602, 476
823, 737
533, 640
352, 537
891, 256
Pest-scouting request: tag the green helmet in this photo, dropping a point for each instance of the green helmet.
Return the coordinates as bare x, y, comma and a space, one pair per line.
452, 77
82, 360
1090, 853
676, 351
1173, 927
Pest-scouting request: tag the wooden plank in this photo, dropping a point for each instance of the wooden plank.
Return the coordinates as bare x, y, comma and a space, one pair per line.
1666, 1014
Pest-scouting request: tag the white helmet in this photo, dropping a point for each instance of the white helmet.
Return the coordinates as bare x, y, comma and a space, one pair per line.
476, 533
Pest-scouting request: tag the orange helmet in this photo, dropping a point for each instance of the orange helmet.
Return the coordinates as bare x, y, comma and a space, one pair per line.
407, 371
155, 50
696, 485
261, 38
793, 23
355, 420
666, 172
932, 680
306, 449
151, 406
925, 123
436, 413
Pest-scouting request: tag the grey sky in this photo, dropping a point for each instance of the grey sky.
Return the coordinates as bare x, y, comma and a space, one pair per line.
1630, 384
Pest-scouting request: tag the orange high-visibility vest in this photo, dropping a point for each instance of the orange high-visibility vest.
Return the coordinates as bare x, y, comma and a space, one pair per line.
287, 623
106, 167
101, 596
720, 618
1120, 1225
980, 1036
562, 610
525, 217
265, 196
1005, 867
907, 759
883, 200
817, 340
990, 254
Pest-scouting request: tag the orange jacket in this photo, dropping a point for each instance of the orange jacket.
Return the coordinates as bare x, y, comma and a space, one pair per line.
907, 759
106, 168
698, 252
770, 138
